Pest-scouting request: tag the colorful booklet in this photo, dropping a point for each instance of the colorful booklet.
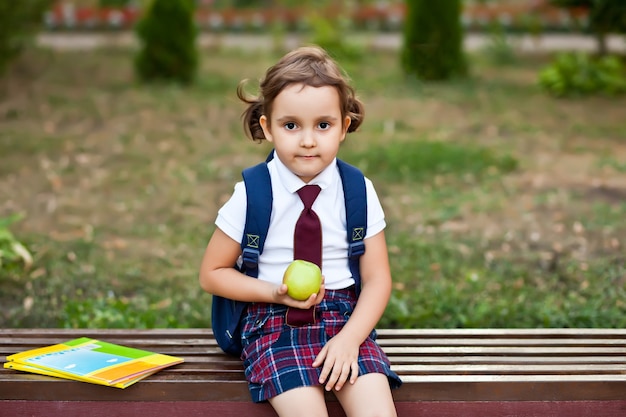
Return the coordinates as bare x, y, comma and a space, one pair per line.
94, 361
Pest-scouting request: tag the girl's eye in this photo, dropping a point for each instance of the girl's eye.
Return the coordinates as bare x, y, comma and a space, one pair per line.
324, 125
290, 126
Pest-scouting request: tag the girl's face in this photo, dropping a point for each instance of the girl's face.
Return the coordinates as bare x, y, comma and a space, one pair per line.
306, 128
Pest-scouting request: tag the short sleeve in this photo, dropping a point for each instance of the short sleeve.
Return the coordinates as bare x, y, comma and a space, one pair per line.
231, 218
375, 214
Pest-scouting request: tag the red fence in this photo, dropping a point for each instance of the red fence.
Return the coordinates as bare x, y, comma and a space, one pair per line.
389, 17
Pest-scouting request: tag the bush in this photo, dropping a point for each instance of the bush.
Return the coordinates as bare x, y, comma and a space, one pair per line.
19, 20
580, 74
433, 40
330, 35
113, 3
168, 36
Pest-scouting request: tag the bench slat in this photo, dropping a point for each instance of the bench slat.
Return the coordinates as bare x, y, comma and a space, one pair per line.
516, 360
518, 342
503, 333
202, 334
505, 350
443, 365
230, 409
460, 369
540, 379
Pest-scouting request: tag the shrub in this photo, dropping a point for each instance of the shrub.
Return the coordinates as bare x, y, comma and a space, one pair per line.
19, 20
329, 34
113, 3
580, 74
168, 36
433, 40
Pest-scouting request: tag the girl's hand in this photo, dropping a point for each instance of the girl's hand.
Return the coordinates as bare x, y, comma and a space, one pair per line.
281, 297
340, 359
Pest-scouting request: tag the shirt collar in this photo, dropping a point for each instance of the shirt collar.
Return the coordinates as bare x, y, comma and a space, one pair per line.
293, 183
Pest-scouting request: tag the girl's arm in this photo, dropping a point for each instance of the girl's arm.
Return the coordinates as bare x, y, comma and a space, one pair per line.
218, 276
340, 355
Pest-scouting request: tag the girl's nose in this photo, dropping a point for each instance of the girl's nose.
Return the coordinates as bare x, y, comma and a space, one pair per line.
308, 138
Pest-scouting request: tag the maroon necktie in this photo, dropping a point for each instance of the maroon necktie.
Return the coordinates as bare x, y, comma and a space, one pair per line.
307, 245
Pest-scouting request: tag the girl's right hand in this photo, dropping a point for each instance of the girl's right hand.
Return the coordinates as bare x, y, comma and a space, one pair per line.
281, 297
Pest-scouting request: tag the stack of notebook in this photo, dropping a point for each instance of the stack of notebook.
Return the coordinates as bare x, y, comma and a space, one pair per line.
93, 361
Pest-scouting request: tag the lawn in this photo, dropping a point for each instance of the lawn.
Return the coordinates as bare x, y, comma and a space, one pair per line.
505, 207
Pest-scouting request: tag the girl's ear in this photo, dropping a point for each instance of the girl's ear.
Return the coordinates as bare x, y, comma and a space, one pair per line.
347, 121
266, 128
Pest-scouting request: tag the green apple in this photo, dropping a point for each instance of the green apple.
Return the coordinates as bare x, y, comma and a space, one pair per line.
302, 278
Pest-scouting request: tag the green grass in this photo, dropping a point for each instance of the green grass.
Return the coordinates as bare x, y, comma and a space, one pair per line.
504, 206
449, 283
420, 159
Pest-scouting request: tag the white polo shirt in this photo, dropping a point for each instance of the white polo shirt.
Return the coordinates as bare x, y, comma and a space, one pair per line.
330, 208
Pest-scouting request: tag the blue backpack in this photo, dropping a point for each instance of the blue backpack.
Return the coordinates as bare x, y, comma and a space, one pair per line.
226, 314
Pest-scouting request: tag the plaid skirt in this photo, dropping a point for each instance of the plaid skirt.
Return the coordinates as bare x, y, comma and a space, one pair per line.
278, 357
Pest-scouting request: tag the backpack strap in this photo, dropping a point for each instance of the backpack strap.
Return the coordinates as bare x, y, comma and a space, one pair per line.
355, 195
226, 314
258, 213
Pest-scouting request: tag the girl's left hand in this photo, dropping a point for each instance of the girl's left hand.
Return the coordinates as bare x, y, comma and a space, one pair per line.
340, 358
281, 297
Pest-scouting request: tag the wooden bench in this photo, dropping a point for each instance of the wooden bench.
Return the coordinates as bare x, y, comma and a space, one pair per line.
548, 372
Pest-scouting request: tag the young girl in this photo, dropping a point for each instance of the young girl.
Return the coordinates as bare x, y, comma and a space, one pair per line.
305, 109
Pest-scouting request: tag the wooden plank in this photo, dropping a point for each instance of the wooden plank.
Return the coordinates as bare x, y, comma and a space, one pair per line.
133, 409
517, 369
206, 334
442, 365
495, 341
203, 334
174, 349
445, 369
479, 333
505, 350
230, 409
565, 360
566, 378
458, 388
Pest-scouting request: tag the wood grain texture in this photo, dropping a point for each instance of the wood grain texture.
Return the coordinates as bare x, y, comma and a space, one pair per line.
469, 372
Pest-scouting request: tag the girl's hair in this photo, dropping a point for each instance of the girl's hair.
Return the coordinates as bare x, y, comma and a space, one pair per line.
310, 66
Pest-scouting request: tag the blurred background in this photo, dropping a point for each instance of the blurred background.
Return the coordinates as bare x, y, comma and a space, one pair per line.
495, 135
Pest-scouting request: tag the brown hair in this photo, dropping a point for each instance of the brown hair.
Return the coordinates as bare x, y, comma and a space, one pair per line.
309, 65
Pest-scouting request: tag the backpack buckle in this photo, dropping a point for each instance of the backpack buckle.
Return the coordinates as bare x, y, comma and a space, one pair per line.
356, 249
250, 257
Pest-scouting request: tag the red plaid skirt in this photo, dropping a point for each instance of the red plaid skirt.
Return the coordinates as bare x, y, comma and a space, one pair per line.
278, 357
